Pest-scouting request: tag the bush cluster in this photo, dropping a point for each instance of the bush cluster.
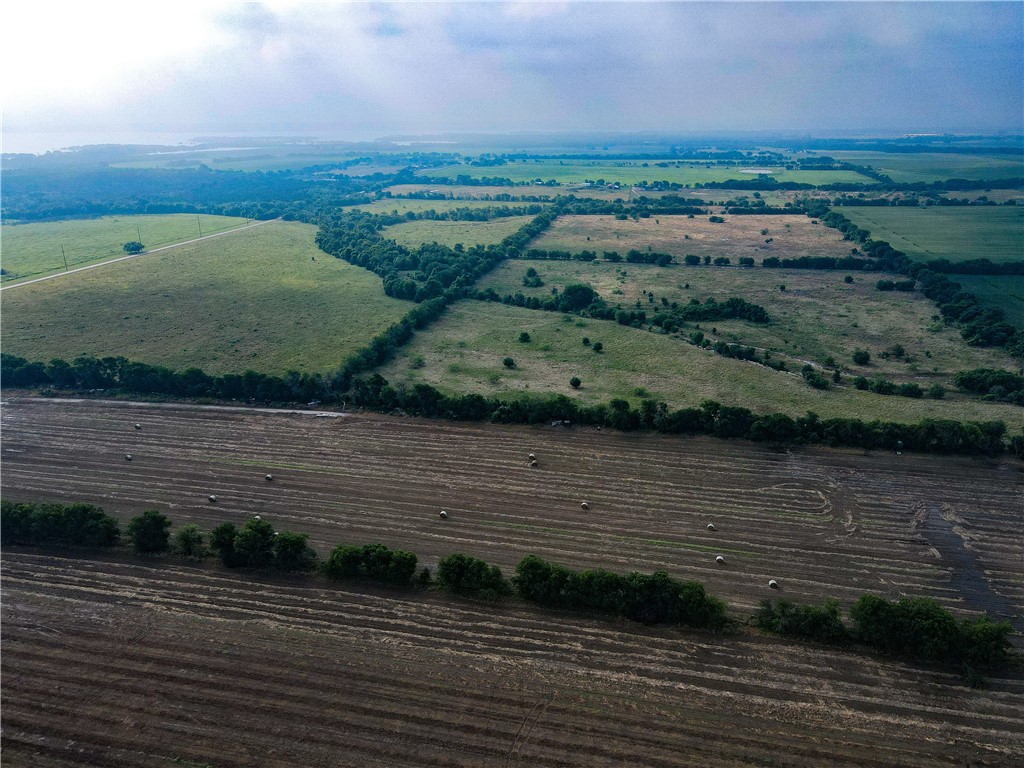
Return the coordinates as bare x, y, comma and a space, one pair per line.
70, 525
371, 562
470, 576
257, 545
653, 598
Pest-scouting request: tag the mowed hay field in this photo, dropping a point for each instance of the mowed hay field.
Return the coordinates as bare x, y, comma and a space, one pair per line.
463, 352
737, 236
817, 316
1005, 292
474, 191
957, 234
634, 171
402, 206
264, 299
413, 234
34, 250
934, 166
118, 661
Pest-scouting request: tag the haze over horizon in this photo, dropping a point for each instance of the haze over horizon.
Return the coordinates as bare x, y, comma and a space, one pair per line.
367, 70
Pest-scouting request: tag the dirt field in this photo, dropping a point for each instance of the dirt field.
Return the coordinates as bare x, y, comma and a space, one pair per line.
792, 236
115, 662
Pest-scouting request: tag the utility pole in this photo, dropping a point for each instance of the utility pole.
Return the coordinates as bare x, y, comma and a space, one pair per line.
65, 258
138, 232
200, 226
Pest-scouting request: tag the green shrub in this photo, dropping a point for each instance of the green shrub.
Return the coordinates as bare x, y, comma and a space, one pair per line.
76, 525
784, 617
465, 575
188, 541
292, 552
150, 532
374, 562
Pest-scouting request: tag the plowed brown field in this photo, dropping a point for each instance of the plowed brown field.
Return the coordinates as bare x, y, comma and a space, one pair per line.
116, 662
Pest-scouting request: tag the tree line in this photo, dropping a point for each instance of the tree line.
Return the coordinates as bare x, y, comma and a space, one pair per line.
916, 629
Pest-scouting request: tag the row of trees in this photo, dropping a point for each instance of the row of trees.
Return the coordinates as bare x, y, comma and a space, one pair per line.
654, 598
918, 629
992, 383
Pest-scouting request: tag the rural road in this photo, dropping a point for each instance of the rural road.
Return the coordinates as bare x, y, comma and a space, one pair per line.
174, 406
136, 255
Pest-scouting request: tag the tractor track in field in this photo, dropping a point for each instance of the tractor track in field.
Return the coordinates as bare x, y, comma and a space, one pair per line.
110, 661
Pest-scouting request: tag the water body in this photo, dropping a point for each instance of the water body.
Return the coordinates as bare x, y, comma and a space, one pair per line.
966, 574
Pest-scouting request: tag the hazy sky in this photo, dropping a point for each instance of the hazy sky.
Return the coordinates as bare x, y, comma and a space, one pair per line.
375, 68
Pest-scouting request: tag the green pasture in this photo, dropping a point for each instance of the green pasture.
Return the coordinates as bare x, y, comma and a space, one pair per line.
955, 233
1005, 292
934, 166
265, 299
413, 234
463, 352
632, 172
817, 316
34, 250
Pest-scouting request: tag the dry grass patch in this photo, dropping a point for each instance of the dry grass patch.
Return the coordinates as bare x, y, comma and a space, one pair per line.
791, 236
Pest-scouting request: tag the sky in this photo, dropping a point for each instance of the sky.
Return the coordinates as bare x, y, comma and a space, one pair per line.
375, 68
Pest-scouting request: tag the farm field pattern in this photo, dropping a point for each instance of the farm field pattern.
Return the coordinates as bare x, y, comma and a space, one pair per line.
140, 662
957, 234
633, 172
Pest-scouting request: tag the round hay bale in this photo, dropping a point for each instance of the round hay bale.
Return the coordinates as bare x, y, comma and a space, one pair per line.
711, 526
443, 515
269, 478
720, 560
773, 584
584, 505
213, 499
533, 456
127, 457
533, 463
138, 426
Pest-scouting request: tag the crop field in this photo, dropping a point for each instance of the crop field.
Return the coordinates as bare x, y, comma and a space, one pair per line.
413, 234
817, 316
401, 206
934, 166
464, 351
34, 250
116, 661
1005, 292
633, 172
263, 158
957, 234
266, 299
737, 236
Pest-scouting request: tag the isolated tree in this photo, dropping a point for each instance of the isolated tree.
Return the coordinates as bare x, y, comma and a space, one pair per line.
133, 247
575, 382
188, 541
149, 531
508, 362
598, 347
861, 356
524, 337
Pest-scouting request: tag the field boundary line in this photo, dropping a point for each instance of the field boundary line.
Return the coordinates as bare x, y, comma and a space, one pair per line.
136, 255
175, 406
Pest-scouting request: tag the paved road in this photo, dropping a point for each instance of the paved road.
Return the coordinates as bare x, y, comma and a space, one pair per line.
136, 255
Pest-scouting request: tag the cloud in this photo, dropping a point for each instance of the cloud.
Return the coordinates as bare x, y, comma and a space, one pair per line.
422, 67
